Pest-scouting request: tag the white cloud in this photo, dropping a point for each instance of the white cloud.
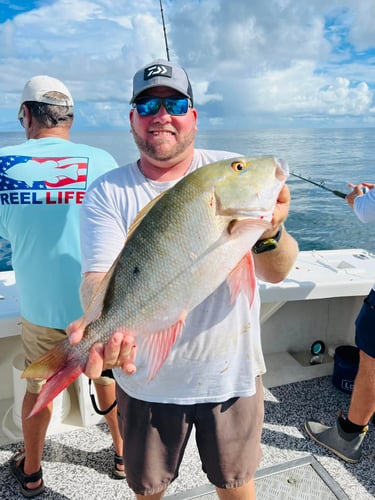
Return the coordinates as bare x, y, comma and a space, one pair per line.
279, 61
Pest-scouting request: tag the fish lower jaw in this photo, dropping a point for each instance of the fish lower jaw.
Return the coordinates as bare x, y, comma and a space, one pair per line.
255, 215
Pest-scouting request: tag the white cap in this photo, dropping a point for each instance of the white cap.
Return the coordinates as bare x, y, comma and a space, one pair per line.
36, 88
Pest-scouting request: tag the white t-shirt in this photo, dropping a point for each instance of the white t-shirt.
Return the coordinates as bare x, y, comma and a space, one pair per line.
218, 354
364, 209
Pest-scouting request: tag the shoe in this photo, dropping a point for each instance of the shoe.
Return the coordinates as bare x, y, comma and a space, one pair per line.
118, 474
347, 446
17, 463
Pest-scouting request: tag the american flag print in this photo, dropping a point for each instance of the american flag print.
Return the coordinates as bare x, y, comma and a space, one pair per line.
24, 179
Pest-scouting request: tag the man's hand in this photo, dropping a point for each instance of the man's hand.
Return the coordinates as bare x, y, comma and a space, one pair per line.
275, 265
120, 351
280, 213
357, 190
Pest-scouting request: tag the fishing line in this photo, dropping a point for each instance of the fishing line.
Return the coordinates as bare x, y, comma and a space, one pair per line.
165, 32
321, 185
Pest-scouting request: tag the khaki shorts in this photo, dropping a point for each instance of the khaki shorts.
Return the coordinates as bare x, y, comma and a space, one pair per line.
36, 341
155, 437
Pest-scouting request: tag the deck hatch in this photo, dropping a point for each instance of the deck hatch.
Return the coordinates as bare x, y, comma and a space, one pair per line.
303, 478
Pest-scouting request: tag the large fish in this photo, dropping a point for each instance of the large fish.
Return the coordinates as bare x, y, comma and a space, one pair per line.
182, 246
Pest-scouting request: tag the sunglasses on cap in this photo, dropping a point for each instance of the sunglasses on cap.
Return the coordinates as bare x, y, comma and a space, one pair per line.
148, 106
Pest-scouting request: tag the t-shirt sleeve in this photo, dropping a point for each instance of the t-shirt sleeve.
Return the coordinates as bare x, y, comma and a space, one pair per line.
364, 207
102, 230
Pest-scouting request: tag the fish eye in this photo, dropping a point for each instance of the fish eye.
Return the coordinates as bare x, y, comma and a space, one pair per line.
237, 166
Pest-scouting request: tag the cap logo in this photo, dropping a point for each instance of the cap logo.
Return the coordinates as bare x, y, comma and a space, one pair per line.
157, 70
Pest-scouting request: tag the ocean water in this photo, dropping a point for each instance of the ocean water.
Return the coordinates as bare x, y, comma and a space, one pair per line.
318, 219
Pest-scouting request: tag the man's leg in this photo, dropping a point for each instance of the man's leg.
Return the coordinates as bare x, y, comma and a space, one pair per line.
245, 492
362, 403
155, 438
228, 436
36, 340
34, 434
106, 396
345, 438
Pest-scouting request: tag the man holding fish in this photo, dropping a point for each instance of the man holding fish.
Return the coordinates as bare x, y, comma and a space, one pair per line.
200, 228
42, 185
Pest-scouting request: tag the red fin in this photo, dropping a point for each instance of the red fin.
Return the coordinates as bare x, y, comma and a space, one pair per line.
158, 345
242, 278
45, 366
56, 384
61, 365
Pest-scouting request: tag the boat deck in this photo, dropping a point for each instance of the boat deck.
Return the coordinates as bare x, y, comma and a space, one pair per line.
77, 463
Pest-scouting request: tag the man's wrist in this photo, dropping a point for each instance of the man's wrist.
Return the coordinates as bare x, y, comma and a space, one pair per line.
268, 244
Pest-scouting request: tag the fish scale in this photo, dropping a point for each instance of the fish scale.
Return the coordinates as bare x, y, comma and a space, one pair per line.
182, 246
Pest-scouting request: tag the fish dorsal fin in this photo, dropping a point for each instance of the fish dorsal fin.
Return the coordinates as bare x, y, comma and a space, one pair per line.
142, 214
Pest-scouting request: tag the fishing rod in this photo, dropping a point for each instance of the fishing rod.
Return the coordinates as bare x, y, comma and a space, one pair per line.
321, 185
334, 191
165, 32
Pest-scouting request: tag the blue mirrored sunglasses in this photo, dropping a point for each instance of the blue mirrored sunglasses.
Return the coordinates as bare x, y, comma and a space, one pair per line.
148, 106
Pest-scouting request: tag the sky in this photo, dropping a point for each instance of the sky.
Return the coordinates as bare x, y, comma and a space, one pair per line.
252, 63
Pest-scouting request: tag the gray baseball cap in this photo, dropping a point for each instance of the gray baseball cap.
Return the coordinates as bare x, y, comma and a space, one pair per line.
161, 73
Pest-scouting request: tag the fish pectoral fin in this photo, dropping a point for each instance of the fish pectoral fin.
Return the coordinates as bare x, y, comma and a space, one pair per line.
242, 278
158, 345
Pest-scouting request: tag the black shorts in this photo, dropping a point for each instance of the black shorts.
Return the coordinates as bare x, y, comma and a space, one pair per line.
365, 326
156, 434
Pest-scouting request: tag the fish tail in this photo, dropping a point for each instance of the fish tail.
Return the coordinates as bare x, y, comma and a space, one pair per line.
60, 366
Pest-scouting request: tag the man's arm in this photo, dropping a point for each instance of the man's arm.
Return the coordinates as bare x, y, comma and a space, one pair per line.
362, 204
120, 351
89, 285
274, 266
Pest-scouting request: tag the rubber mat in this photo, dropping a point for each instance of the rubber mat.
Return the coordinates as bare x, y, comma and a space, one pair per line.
303, 479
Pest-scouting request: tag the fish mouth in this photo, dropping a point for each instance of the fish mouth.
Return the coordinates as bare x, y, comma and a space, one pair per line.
258, 214
282, 169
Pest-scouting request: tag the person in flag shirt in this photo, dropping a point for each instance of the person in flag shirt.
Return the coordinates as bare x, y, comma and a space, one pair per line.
42, 185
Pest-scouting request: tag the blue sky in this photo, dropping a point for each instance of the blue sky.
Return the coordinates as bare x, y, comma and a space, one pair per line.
253, 64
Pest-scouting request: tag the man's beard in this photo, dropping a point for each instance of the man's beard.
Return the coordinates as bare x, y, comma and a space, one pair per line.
160, 153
